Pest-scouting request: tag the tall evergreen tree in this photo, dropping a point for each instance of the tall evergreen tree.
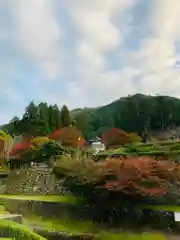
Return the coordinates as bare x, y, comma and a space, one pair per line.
44, 128
65, 117
30, 120
54, 117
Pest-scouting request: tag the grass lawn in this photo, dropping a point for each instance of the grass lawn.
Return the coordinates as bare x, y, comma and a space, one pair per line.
18, 231
2, 208
164, 208
83, 228
5, 238
130, 236
42, 198
1, 238
65, 225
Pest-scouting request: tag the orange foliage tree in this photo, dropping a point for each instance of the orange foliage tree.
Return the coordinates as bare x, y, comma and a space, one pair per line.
115, 137
134, 176
68, 136
113, 188
142, 176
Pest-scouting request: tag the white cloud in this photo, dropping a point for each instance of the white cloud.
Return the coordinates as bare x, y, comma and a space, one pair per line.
157, 55
98, 35
165, 19
38, 33
152, 64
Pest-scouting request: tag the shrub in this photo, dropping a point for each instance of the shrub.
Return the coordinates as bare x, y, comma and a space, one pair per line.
117, 185
44, 153
39, 141
134, 137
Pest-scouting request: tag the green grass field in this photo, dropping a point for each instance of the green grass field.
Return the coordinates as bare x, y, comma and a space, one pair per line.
42, 198
164, 208
19, 231
130, 236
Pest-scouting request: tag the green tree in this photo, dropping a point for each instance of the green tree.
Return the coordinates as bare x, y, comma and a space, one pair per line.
66, 119
43, 119
13, 127
54, 117
29, 120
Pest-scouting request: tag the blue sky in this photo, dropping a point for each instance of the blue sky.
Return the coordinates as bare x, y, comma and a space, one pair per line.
86, 52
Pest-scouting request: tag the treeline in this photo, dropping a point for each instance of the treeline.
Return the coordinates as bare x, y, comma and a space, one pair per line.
39, 120
137, 113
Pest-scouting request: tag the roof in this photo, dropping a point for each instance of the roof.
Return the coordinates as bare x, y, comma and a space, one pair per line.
96, 139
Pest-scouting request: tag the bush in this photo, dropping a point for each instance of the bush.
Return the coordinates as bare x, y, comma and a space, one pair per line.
39, 141
116, 186
134, 138
44, 153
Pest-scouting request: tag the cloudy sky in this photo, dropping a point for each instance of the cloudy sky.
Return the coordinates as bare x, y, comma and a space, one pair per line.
86, 52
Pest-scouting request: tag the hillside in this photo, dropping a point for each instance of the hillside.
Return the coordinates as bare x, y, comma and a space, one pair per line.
137, 113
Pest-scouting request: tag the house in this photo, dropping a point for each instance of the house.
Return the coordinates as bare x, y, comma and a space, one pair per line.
97, 144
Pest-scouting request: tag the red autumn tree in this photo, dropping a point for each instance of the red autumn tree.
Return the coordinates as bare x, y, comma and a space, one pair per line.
19, 148
133, 177
115, 137
68, 136
142, 176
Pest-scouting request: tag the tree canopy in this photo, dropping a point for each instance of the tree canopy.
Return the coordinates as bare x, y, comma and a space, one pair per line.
138, 113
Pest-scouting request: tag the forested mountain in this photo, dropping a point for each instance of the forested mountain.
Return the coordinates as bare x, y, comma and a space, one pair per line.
137, 113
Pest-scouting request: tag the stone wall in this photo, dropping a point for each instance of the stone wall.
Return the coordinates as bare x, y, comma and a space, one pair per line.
43, 209
35, 181
32, 181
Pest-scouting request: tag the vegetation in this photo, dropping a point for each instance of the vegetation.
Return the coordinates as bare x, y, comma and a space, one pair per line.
130, 236
69, 226
117, 186
115, 137
159, 150
87, 229
130, 178
17, 231
68, 136
139, 114
39, 198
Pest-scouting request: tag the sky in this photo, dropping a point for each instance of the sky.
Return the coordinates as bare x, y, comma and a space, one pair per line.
86, 52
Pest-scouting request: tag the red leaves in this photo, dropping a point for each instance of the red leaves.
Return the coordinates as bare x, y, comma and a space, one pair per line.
140, 175
115, 137
134, 176
68, 136
19, 148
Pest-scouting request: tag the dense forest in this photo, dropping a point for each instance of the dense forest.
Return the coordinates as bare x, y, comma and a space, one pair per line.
137, 113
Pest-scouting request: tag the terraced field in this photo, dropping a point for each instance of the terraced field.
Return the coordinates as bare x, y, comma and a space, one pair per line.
141, 149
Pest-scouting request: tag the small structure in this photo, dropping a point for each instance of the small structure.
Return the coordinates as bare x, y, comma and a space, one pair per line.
97, 144
18, 139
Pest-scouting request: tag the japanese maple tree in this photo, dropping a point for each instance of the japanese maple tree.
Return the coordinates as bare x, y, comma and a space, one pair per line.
115, 137
134, 176
68, 136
